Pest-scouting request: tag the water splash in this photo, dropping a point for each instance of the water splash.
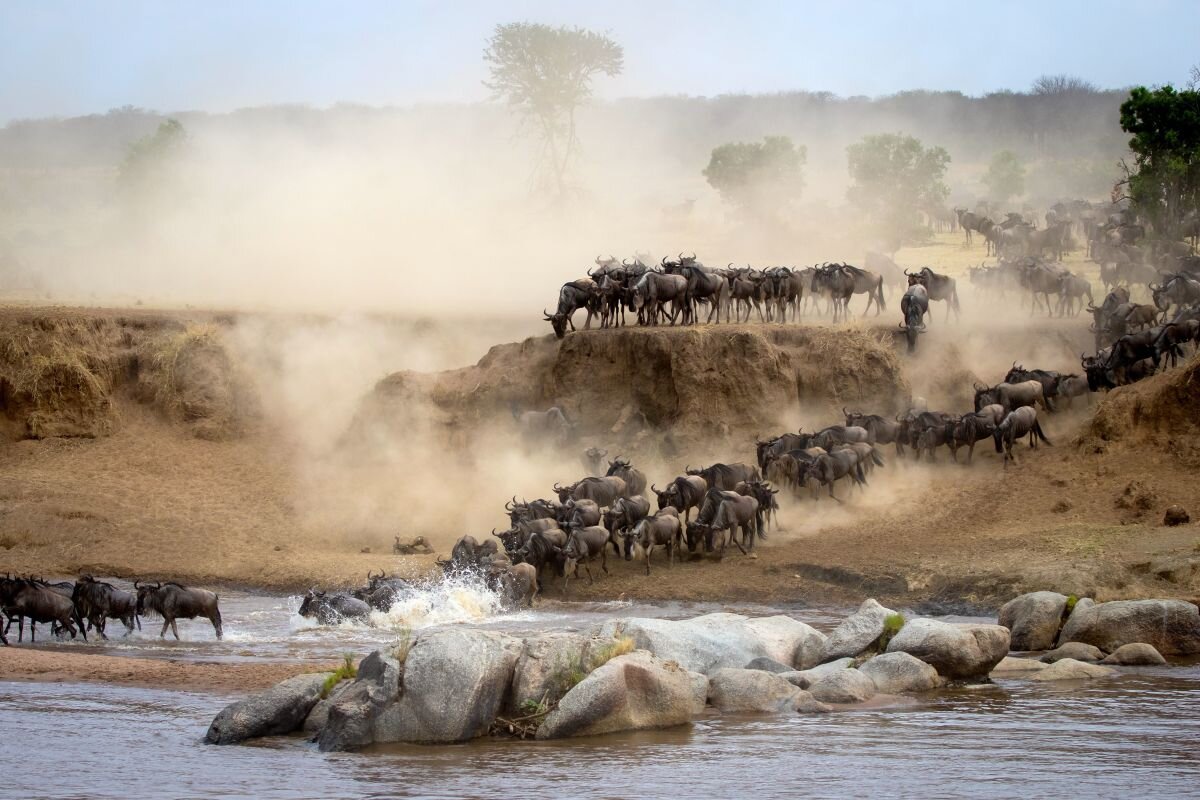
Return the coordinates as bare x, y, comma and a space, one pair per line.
457, 598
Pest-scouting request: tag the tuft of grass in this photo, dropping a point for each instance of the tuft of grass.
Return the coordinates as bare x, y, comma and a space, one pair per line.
569, 675
346, 671
1071, 601
403, 645
892, 624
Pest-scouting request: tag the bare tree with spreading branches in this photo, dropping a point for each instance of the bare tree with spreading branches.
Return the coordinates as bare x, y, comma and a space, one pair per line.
545, 74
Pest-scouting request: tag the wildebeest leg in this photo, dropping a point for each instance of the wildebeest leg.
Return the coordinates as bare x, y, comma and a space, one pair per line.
588, 569
604, 560
163, 633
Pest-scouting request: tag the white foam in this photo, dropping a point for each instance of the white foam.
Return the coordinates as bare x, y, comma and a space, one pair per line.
454, 599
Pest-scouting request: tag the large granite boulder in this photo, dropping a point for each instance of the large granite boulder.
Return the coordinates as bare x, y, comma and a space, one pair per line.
455, 681
1137, 654
955, 650
546, 661
900, 673
751, 690
807, 677
351, 717
1034, 619
843, 686
636, 691
718, 641
857, 632
1010, 667
1171, 626
279, 710
1069, 669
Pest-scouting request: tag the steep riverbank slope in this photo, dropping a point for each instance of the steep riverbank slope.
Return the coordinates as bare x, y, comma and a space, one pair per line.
169, 446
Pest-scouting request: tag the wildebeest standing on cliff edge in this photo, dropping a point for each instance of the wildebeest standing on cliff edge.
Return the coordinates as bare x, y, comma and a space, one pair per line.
914, 305
173, 601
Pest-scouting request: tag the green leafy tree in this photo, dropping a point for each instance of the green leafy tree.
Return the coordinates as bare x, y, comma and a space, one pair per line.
150, 160
1005, 177
545, 74
760, 178
1164, 182
894, 176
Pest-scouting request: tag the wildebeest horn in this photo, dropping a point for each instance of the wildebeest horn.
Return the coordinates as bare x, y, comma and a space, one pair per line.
546, 314
597, 260
902, 326
654, 489
844, 412
136, 585
664, 261
624, 263
692, 256
906, 272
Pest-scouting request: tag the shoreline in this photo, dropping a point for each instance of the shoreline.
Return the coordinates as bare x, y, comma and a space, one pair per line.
28, 665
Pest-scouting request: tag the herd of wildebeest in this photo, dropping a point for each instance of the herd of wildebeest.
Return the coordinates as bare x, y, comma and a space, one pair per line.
552, 538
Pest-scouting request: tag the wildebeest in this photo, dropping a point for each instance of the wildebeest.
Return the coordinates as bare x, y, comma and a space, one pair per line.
1071, 291
96, 602
772, 448
583, 545
583, 513
173, 601
382, 592
832, 467
593, 460
518, 585
683, 494
661, 530
330, 609
1019, 422
880, 430
725, 476
603, 491
1072, 386
654, 290
573, 296
969, 430
635, 479
38, 601
914, 305
1047, 378
550, 425
733, 512
939, 287
768, 505
623, 515
544, 550
1011, 395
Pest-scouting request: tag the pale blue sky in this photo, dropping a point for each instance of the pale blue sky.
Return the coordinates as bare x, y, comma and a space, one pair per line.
67, 58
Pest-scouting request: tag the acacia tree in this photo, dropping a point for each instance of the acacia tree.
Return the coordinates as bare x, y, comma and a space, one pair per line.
1164, 182
149, 158
759, 178
545, 74
1005, 177
894, 176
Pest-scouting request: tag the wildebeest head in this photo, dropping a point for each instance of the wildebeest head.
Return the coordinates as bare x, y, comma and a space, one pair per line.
666, 496
146, 599
312, 598
985, 396
558, 322
617, 466
564, 492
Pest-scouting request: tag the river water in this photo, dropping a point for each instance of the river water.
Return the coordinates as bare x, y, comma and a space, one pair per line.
1136, 734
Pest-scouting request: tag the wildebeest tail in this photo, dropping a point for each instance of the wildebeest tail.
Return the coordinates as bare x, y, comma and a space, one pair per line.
878, 459
879, 294
998, 437
1037, 429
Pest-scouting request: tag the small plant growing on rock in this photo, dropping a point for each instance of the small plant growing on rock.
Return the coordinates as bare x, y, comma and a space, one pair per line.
346, 671
1071, 601
892, 624
403, 645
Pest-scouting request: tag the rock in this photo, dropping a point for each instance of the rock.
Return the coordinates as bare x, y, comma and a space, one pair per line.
1075, 650
319, 715
717, 641
857, 631
544, 663
1176, 515
1171, 626
1071, 670
900, 673
1009, 666
279, 710
750, 690
807, 704
1136, 654
455, 681
806, 678
1034, 619
636, 691
843, 686
769, 665
351, 716
955, 650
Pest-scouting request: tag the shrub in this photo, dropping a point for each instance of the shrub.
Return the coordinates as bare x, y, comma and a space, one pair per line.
892, 624
344, 672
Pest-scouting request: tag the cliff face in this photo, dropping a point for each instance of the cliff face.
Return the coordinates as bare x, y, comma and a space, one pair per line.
687, 383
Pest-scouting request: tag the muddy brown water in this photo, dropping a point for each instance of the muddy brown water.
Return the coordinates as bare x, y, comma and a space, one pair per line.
1133, 734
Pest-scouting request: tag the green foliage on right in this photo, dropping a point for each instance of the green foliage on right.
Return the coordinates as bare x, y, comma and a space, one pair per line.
894, 176
1164, 183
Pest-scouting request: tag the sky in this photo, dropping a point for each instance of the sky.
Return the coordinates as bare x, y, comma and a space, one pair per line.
70, 58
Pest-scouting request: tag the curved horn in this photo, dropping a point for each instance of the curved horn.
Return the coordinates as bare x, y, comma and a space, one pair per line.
597, 260
693, 256
906, 272
664, 261
844, 413
681, 255
654, 489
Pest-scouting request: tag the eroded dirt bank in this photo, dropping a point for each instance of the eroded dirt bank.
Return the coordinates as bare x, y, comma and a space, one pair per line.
231, 493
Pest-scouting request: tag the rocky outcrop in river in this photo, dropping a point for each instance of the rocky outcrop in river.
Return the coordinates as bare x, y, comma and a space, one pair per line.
451, 685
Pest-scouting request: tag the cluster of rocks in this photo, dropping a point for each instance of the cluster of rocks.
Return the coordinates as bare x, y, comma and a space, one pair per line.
452, 685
